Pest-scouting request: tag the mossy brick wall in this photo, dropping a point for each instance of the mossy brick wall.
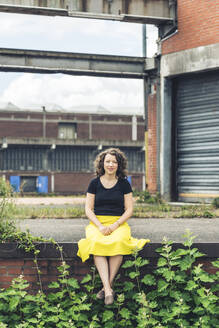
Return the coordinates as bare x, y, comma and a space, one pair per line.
15, 262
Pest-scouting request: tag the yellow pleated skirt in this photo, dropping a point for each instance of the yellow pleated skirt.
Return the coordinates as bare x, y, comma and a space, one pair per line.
119, 242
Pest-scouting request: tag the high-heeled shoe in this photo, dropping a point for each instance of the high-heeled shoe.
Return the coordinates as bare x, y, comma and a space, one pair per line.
109, 299
100, 295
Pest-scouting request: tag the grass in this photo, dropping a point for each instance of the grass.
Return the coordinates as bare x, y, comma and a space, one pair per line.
140, 211
38, 212
168, 211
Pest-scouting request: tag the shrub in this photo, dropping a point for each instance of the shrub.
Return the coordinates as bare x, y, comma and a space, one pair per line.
7, 206
146, 197
215, 202
177, 294
5, 188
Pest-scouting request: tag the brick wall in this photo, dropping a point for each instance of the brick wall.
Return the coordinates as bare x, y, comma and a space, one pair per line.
21, 129
152, 143
51, 130
83, 131
107, 127
198, 25
140, 132
77, 182
72, 181
14, 262
13, 268
112, 132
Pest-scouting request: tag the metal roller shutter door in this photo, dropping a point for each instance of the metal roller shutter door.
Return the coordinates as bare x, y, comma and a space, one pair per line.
197, 137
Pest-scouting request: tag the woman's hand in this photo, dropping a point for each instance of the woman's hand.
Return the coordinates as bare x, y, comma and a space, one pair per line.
104, 230
113, 226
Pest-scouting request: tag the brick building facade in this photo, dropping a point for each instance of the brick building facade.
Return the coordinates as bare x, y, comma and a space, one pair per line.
60, 148
183, 107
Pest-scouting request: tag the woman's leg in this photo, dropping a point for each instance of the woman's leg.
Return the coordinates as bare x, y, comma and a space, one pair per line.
114, 265
102, 266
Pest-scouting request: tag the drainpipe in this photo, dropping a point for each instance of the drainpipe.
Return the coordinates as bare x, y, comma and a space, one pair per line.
146, 94
44, 122
144, 40
145, 101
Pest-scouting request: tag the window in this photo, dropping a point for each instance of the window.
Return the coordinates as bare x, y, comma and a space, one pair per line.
67, 131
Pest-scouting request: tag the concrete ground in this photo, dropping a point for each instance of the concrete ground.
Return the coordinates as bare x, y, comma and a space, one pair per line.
49, 201
71, 230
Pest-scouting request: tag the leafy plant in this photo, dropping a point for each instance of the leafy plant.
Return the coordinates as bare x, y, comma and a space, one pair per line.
6, 204
146, 197
5, 188
178, 293
215, 202
181, 292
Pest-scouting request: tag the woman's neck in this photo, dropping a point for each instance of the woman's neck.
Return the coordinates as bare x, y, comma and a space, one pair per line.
109, 177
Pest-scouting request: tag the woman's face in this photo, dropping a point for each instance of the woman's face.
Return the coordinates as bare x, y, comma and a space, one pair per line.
110, 164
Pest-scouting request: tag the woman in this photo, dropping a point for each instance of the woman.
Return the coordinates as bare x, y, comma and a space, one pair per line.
108, 206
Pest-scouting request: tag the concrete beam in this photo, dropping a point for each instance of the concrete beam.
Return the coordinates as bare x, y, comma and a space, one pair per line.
138, 11
191, 60
47, 142
36, 61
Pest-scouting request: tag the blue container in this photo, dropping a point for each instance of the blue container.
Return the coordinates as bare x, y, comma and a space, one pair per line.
42, 184
129, 178
15, 181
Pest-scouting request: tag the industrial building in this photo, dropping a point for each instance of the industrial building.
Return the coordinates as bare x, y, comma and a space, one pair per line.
183, 157
181, 83
53, 151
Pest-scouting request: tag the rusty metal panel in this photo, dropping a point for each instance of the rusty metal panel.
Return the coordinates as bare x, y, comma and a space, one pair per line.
197, 111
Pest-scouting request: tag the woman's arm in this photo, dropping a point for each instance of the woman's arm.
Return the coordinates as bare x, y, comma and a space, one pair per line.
128, 204
89, 211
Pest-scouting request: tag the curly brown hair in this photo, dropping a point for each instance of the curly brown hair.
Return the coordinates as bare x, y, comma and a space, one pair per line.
120, 157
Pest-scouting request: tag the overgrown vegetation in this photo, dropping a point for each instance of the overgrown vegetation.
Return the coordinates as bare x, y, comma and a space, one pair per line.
9, 231
215, 202
146, 197
178, 293
163, 210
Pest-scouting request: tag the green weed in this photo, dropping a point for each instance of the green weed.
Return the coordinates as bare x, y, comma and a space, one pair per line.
177, 293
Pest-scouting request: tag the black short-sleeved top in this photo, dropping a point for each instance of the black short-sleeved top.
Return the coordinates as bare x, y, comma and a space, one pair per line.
109, 201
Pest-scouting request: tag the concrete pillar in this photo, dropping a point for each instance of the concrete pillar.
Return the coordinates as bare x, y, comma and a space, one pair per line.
45, 160
52, 182
166, 139
44, 122
134, 128
90, 127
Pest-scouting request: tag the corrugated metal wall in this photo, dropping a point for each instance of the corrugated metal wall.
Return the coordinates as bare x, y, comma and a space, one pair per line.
61, 159
72, 159
197, 136
22, 159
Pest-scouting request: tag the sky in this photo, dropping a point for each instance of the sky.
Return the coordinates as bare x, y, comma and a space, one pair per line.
27, 90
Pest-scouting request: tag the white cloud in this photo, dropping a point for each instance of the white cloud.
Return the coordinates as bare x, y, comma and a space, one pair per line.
66, 91
74, 35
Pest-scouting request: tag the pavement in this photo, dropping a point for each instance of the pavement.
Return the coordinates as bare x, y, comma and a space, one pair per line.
32, 201
72, 230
